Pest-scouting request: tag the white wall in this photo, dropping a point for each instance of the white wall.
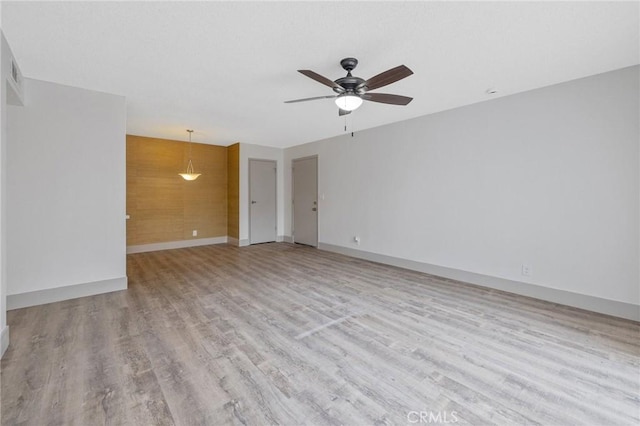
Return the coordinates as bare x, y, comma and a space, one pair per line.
65, 194
248, 152
4, 55
3, 172
10, 93
549, 178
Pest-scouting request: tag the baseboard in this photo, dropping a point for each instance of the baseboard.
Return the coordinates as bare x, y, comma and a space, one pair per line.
41, 297
563, 297
169, 245
247, 242
4, 340
289, 239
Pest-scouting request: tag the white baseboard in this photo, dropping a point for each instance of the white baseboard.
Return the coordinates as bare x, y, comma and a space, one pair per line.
4, 340
289, 239
176, 244
238, 243
563, 297
247, 242
50, 295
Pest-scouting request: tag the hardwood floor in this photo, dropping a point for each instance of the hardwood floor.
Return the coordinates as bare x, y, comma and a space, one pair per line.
284, 334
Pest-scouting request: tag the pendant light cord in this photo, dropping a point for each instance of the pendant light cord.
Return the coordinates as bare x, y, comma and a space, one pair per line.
190, 163
190, 132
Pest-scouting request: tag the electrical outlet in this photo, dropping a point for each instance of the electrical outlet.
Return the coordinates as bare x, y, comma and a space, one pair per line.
195, 233
527, 270
356, 240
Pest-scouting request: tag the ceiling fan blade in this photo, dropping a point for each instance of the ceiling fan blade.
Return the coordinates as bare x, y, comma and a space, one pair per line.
321, 79
387, 77
310, 99
385, 98
342, 112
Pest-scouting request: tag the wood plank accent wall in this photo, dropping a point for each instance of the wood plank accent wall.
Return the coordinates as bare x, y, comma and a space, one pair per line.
233, 191
162, 206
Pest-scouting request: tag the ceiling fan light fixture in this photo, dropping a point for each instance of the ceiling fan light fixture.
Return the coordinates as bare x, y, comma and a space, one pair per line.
349, 102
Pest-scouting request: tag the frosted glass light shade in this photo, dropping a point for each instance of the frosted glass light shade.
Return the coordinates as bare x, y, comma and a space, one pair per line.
348, 102
189, 176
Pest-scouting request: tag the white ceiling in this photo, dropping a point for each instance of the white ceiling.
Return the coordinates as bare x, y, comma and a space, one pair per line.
225, 68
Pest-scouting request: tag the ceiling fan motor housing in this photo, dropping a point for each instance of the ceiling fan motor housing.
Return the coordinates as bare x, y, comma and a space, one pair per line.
350, 84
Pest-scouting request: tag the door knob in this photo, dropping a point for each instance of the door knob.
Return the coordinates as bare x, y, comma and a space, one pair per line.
253, 202
314, 209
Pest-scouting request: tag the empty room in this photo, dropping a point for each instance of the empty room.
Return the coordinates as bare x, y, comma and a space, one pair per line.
319, 213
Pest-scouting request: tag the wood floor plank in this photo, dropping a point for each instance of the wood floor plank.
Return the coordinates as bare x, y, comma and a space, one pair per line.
286, 334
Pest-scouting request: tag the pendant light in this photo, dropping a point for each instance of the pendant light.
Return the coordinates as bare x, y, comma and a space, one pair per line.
190, 174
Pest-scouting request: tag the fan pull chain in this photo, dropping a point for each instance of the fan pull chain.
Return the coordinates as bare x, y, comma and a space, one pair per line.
352, 126
345, 124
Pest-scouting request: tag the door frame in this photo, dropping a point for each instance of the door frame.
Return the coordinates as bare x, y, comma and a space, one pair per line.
275, 165
293, 206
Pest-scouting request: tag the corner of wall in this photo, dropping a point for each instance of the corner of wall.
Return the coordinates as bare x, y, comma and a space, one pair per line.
233, 191
6, 58
4, 340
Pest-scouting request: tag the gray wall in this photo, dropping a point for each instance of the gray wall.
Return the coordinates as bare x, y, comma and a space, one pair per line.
65, 194
11, 92
547, 178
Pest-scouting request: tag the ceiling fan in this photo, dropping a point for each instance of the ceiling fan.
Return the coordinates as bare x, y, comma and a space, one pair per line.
352, 91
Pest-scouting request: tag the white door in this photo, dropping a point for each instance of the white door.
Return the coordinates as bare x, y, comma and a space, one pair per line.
262, 201
305, 201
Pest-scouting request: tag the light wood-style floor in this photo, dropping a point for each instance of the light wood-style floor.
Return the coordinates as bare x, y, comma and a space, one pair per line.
284, 334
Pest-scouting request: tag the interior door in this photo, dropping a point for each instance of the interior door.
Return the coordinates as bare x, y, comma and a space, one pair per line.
262, 201
305, 201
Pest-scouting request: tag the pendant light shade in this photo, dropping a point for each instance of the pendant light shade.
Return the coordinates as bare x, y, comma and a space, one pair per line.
190, 173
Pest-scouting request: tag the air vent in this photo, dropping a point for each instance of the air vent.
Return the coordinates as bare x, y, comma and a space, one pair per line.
14, 72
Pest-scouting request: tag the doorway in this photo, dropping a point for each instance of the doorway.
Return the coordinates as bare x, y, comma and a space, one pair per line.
262, 201
305, 201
